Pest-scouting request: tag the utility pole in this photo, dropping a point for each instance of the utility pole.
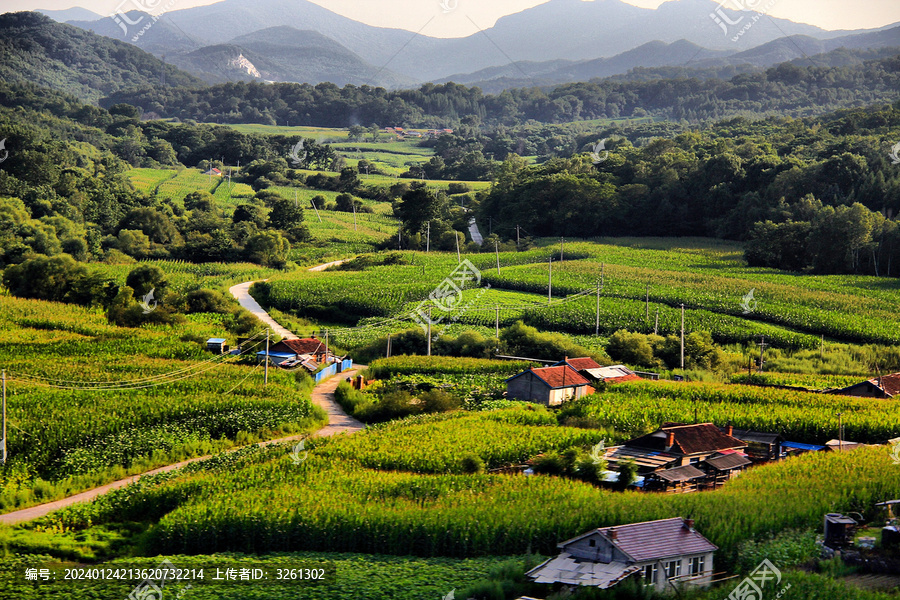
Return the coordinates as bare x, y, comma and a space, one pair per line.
428, 238
353, 202
562, 242
266, 380
490, 225
497, 323
497, 251
316, 208
458, 256
326, 345
429, 331
602, 269
682, 337
597, 328
389, 346
517, 238
550, 282
762, 352
3, 447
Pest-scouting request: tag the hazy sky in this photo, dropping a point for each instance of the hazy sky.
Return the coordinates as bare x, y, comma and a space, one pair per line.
414, 14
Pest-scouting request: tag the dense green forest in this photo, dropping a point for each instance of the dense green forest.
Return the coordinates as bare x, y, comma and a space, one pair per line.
36, 49
785, 89
817, 193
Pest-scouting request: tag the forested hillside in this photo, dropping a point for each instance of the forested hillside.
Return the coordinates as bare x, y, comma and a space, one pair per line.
785, 89
39, 50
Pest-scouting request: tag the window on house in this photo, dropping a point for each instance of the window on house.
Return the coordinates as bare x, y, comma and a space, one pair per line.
593, 543
694, 461
650, 572
673, 569
697, 564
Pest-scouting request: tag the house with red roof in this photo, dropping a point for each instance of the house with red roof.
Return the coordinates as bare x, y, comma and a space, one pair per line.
666, 554
550, 386
592, 371
310, 352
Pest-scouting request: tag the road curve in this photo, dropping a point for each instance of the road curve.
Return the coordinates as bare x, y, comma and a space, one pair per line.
241, 292
322, 395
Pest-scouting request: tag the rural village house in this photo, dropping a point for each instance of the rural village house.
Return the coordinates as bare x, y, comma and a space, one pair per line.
665, 553
878, 387
550, 386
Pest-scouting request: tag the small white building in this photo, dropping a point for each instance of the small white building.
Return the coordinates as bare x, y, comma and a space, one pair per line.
665, 554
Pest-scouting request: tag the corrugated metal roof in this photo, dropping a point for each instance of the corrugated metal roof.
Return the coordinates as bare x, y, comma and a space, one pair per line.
299, 346
643, 458
684, 473
727, 462
567, 569
654, 540
801, 446
745, 435
216, 341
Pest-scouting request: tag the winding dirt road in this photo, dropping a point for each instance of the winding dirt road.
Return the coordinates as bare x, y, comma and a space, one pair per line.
322, 395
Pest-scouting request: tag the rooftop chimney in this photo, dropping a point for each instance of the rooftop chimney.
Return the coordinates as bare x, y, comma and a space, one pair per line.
729, 430
670, 439
689, 524
613, 534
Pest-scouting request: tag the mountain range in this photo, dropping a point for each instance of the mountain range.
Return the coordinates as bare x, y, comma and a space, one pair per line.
556, 42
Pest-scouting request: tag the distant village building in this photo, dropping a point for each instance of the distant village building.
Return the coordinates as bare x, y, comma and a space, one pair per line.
761, 447
214, 172
550, 386
667, 553
887, 386
680, 458
308, 352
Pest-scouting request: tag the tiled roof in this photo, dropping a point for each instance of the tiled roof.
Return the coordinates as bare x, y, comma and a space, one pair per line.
300, 346
689, 439
582, 364
889, 383
558, 377
676, 474
726, 462
567, 569
745, 435
655, 540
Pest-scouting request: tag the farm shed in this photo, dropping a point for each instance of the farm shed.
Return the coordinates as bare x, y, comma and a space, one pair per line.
689, 444
664, 553
722, 467
887, 386
794, 448
550, 386
217, 345
678, 480
761, 447
305, 350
